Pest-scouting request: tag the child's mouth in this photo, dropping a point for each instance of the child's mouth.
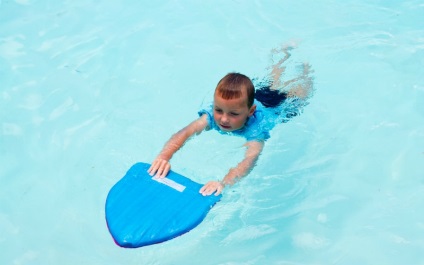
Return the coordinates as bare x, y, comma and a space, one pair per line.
225, 126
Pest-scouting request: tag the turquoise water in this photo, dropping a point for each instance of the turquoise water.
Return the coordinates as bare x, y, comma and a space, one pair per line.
88, 89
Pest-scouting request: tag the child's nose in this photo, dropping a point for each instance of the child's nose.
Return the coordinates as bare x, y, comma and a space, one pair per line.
224, 118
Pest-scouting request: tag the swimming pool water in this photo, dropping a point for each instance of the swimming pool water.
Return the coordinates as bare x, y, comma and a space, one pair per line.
87, 89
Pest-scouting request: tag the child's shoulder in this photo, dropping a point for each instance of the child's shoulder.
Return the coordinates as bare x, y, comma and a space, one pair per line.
256, 127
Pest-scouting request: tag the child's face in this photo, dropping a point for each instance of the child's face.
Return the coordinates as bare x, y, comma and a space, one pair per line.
231, 114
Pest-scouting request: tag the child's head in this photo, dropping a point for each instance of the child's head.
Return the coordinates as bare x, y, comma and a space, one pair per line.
233, 101
235, 85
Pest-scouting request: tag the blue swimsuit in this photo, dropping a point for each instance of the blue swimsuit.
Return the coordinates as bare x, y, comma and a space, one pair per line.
256, 128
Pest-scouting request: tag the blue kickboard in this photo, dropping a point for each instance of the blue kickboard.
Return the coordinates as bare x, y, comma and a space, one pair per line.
141, 210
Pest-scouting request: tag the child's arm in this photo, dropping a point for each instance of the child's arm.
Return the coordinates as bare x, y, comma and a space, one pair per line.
161, 166
253, 151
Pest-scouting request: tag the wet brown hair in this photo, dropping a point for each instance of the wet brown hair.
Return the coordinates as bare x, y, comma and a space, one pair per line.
231, 86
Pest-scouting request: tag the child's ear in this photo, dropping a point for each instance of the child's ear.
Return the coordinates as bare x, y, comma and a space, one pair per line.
252, 110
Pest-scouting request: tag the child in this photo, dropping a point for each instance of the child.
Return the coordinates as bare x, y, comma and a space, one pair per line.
236, 112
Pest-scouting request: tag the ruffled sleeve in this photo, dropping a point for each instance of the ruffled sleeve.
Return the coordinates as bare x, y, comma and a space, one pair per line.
255, 128
209, 115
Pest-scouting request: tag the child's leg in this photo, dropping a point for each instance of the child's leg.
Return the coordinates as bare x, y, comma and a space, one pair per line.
301, 85
278, 68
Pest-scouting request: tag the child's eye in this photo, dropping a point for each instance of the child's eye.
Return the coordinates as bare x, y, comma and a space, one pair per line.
218, 110
234, 114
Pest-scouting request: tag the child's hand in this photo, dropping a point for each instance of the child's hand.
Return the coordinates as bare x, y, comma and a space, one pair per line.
211, 187
159, 168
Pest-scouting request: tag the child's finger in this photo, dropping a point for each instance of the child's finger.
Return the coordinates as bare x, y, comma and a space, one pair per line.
161, 172
153, 168
167, 168
218, 190
202, 189
160, 168
211, 187
163, 169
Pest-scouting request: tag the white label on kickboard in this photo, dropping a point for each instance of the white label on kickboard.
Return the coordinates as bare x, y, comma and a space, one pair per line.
170, 183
